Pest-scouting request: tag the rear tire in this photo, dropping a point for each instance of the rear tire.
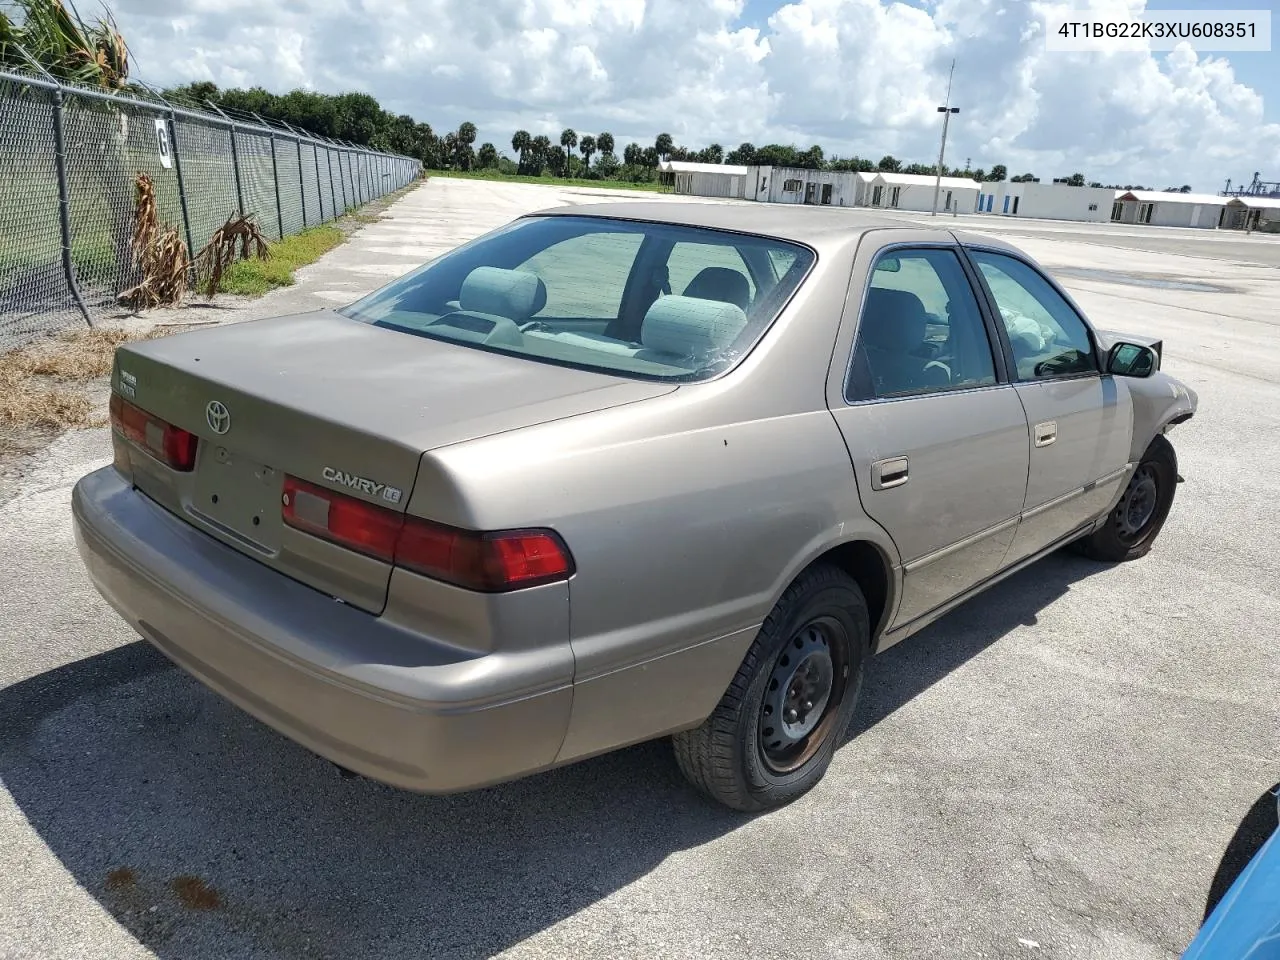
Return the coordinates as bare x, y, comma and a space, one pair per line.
1135, 522
772, 736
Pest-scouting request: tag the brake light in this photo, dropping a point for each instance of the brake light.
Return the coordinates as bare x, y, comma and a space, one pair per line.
345, 520
491, 562
172, 446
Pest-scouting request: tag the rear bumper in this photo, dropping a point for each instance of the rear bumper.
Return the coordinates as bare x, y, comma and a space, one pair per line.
376, 698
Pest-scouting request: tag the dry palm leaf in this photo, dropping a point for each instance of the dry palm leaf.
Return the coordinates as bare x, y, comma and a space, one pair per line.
159, 252
237, 239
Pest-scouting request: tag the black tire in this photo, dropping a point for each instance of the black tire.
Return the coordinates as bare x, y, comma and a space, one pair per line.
727, 758
1121, 538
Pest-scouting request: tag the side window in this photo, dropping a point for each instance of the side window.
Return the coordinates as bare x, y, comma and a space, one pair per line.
585, 275
921, 330
712, 271
1047, 336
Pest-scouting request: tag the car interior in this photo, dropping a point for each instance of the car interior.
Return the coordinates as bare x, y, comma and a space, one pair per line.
525, 305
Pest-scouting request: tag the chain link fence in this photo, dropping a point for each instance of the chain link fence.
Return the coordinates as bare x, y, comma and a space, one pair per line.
68, 162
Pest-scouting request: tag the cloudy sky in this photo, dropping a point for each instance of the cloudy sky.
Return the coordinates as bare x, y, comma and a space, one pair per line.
855, 76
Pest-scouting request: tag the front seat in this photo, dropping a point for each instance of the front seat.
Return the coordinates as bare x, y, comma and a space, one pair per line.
723, 284
894, 324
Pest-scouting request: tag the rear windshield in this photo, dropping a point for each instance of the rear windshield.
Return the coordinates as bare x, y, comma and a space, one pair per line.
646, 300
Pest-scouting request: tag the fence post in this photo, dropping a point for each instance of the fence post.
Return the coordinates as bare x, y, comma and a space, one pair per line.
64, 205
182, 183
302, 182
342, 182
235, 155
315, 155
333, 187
275, 179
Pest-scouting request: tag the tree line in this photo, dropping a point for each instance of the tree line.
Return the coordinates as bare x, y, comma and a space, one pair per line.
359, 118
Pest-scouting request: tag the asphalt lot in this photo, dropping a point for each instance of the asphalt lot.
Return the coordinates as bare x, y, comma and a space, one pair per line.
1056, 769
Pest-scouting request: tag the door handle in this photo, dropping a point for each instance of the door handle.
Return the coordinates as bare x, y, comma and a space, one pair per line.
1046, 433
888, 473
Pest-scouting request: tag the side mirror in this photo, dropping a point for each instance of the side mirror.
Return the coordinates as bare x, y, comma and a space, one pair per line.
1131, 360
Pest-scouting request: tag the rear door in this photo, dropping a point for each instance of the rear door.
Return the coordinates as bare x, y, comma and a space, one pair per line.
1081, 421
936, 435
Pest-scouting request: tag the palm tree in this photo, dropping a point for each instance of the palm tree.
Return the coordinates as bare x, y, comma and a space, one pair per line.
540, 149
521, 143
605, 142
89, 54
488, 156
663, 145
568, 140
588, 146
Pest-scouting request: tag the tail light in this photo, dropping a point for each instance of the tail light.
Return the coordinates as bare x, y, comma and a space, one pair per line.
172, 446
491, 562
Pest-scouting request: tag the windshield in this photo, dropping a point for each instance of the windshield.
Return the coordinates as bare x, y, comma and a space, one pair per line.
639, 299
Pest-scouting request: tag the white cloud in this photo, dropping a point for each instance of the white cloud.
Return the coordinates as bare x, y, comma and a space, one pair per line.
860, 76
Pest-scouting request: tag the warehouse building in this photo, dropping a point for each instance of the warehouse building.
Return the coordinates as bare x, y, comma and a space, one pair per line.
706, 179
835, 188
1252, 213
1047, 201
1162, 209
909, 191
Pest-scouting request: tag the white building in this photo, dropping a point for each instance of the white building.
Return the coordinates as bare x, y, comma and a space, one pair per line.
706, 179
909, 191
1046, 201
836, 188
1252, 213
1162, 209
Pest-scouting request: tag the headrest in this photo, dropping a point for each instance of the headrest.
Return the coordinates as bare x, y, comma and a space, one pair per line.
893, 319
720, 283
514, 294
691, 327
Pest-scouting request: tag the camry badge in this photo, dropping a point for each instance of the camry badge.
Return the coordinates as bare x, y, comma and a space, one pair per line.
218, 416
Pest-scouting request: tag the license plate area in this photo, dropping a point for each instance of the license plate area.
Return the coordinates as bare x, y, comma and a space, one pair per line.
238, 496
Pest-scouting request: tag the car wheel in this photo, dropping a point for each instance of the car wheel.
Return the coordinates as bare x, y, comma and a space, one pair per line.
771, 737
1135, 522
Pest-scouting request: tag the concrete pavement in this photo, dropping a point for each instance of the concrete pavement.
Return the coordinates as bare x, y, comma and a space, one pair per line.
1054, 770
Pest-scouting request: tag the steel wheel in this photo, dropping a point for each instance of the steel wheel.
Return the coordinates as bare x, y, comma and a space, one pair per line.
804, 692
1137, 507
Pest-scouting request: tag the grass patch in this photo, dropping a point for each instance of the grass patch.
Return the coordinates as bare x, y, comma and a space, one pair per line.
548, 180
42, 384
253, 278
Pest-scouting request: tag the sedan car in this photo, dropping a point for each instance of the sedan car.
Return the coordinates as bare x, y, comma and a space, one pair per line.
618, 472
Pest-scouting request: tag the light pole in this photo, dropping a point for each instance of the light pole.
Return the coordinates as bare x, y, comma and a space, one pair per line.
946, 112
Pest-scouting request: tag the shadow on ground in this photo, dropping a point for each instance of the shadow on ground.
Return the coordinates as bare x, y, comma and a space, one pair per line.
207, 835
1259, 823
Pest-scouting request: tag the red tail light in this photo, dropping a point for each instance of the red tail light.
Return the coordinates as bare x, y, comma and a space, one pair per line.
488, 562
172, 446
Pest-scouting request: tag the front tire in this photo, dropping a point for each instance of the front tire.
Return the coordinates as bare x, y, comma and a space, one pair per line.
772, 736
1135, 522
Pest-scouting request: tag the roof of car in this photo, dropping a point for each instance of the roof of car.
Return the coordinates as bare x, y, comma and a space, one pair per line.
796, 222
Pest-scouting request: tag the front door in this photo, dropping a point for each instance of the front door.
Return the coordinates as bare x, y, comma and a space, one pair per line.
937, 439
1081, 421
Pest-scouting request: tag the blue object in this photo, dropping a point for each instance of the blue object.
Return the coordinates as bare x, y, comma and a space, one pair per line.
1245, 925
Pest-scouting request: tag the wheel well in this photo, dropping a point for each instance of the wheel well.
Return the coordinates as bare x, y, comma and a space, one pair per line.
865, 563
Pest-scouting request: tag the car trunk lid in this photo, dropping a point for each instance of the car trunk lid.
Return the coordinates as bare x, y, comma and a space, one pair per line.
339, 404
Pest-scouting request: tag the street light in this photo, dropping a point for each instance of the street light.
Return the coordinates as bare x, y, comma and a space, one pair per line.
946, 111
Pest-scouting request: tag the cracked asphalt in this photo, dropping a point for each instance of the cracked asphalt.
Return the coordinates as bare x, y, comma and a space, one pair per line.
1053, 770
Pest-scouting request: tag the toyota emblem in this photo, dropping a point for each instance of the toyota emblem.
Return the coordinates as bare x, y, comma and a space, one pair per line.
219, 417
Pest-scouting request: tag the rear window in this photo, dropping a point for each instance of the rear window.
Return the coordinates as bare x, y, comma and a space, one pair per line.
648, 300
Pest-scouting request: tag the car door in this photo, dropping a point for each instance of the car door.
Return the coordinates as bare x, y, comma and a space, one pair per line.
1081, 421
936, 436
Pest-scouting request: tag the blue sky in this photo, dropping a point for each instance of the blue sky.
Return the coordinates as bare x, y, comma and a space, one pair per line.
853, 76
